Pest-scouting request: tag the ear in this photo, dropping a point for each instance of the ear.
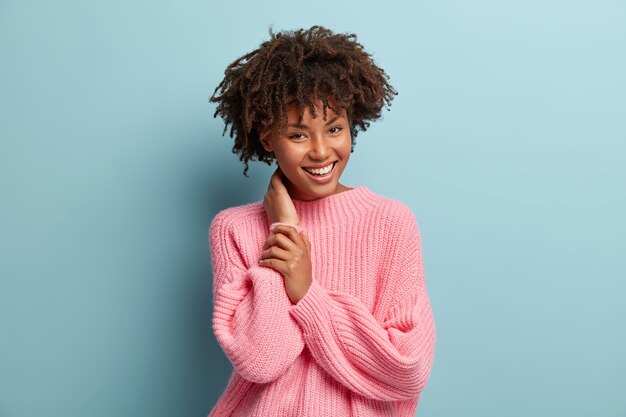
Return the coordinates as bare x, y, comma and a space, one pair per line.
265, 142
267, 146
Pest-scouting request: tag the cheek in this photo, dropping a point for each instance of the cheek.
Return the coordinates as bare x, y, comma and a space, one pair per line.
346, 148
287, 163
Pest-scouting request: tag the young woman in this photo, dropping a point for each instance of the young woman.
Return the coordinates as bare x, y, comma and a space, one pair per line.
319, 295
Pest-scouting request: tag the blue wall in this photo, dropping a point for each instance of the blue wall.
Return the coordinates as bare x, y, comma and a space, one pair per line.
507, 140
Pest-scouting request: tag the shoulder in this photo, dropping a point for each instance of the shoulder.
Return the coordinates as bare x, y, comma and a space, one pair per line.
396, 216
233, 218
391, 204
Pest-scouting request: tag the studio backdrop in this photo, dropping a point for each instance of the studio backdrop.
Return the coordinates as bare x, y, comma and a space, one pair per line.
507, 140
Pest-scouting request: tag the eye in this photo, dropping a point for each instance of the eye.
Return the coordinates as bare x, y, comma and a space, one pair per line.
337, 129
296, 136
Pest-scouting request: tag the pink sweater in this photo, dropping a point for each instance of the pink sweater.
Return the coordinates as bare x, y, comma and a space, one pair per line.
359, 343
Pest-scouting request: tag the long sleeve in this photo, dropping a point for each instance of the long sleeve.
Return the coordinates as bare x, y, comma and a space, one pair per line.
251, 319
383, 361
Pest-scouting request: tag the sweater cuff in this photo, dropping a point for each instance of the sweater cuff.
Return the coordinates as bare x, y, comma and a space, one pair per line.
312, 310
270, 283
298, 228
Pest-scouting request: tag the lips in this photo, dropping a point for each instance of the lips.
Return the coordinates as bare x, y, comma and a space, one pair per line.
319, 166
332, 167
322, 179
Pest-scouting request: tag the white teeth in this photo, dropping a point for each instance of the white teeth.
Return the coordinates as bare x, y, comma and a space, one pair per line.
320, 171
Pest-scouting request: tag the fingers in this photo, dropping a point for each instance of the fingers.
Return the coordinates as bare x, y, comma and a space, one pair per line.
306, 241
276, 253
272, 179
281, 241
291, 233
278, 265
283, 247
275, 179
284, 239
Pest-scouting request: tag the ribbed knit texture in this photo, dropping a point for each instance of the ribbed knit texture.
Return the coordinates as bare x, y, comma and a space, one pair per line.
359, 343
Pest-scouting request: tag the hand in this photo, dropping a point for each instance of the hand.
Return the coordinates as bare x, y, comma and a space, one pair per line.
277, 202
289, 252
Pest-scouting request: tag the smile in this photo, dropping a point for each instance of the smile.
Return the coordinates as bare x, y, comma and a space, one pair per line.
322, 175
321, 172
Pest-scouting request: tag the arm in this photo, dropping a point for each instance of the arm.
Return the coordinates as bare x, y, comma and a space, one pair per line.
251, 320
388, 360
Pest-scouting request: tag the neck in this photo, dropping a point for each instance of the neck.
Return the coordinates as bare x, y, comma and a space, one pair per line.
297, 194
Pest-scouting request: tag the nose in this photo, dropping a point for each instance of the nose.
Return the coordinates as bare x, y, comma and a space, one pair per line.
319, 149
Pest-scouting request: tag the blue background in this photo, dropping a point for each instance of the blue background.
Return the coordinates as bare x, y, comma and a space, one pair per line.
507, 140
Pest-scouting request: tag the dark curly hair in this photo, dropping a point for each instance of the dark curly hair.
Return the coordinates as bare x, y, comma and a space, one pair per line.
301, 67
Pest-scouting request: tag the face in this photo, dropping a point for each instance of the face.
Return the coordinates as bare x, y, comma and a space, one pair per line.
314, 143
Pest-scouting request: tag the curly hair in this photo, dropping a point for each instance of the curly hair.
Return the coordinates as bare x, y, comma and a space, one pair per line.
299, 67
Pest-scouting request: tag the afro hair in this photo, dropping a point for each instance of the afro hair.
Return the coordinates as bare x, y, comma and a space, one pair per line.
298, 67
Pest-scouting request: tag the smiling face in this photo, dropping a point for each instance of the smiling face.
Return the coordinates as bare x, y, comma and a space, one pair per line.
314, 143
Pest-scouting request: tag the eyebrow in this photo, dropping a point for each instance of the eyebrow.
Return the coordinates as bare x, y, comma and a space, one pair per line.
303, 126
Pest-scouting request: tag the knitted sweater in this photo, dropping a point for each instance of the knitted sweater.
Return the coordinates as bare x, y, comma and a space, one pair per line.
361, 340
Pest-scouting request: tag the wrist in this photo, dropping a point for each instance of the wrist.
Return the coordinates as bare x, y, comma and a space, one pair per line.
286, 220
296, 226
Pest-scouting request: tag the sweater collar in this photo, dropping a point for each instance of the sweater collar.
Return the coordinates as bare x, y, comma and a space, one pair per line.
335, 208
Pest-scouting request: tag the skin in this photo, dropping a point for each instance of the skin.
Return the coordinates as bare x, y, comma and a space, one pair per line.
315, 141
